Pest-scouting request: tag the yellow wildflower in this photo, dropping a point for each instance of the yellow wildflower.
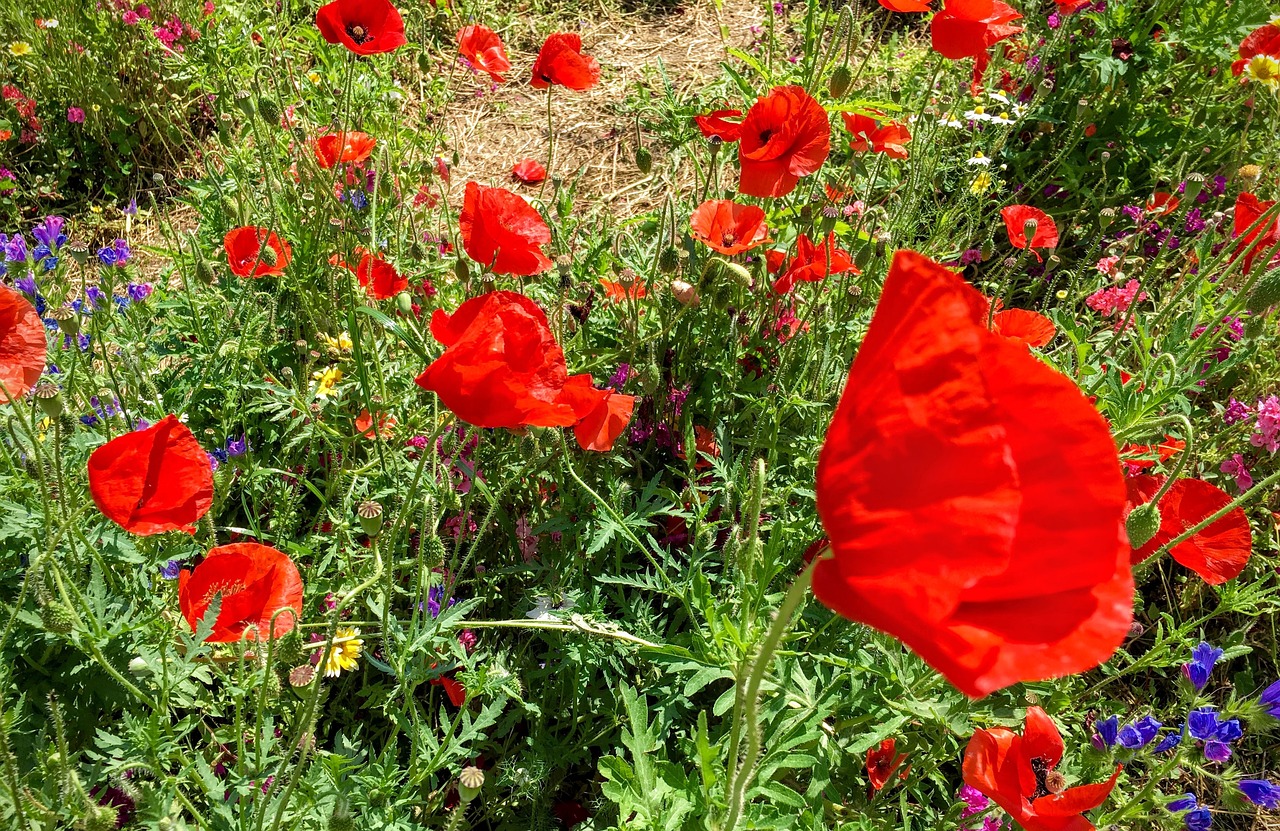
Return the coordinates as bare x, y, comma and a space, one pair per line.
342, 342
328, 379
344, 656
980, 183
1266, 69
313, 77
19, 48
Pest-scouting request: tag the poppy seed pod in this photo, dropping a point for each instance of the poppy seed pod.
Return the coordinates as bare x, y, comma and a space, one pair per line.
1142, 524
470, 781
1266, 294
1195, 183
101, 818
68, 320
244, 101
79, 252
47, 397
1029, 229
370, 514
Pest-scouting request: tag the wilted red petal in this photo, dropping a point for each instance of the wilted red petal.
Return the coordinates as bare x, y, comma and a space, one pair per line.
366, 27
501, 230
1217, 553
972, 495
528, 171
22, 345
255, 581
1074, 801
153, 480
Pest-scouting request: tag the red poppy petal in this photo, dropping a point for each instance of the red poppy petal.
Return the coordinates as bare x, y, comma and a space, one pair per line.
1074, 801
905, 5
1031, 328
1217, 553
972, 495
23, 349
1040, 737
257, 583
600, 428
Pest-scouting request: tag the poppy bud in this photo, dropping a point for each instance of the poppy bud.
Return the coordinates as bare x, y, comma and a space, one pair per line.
340, 819
668, 261
268, 257
370, 514
987, 251
46, 395
57, 618
101, 818
461, 270
269, 110
1142, 524
434, 552
424, 63
469, 783
684, 293
139, 667
650, 378
1266, 294
739, 273
1106, 216
644, 160
1029, 231
1254, 327
862, 256
840, 81
806, 213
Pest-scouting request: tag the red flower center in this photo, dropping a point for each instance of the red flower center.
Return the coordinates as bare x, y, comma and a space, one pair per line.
765, 136
1042, 772
729, 238
358, 33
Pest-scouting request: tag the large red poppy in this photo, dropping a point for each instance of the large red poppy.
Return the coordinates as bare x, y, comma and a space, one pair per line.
255, 582
725, 125
335, 148
1264, 40
502, 367
868, 134
1016, 219
969, 28
22, 345
481, 47
561, 62
972, 495
1259, 241
249, 257
502, 231
153, 480
785, 135
814, 262
905, 5
1018, 773
1217, 553
366, 27
379, 277
728, 227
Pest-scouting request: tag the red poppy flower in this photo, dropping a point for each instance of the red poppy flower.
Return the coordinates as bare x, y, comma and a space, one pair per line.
1217, 553
813, 263
153, 480
785, 135
620, 292
481, 47
502, 367
22, 345
602, 425
723, 124
529, 172
1018, 773
247, 256
561, 62
969, 28
379, 277
1072, 6
366, 27
502, 231
1016, 219
1031, 328
889, 139
883, 762
1148, 454
905, 5
255, 582
1264, 40
728, 227
1259, 241
386, 425
1162, 204
972, 495
335, 148
704, 442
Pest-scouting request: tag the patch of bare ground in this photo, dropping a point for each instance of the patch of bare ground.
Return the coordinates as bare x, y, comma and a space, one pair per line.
595, 138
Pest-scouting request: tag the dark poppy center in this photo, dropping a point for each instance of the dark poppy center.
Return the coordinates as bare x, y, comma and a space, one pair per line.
358, 33
765, 136
1041, 771
729, 238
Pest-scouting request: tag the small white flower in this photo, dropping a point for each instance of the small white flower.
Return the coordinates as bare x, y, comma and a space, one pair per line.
979, 159
978, 113
953, 122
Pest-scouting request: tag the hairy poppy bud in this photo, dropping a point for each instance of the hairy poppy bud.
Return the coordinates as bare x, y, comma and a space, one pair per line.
370, 514
684, 293
269, 110
668, 261
138, 666
267, 256
1254, 327
644, 160
1142, 524
57, 618
404, 303
340, 819
840, 81
1265, 294
650, 378
470, 781
434, 553
101, 818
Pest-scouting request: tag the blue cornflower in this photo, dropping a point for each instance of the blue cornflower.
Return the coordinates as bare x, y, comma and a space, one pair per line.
1139, 734
170, 570
49, 263
1203, 659
1261, 792
1184, 803
1107, 732
1169, 742
238, 447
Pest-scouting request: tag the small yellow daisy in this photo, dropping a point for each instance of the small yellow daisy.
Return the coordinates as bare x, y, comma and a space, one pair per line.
344, 656
1266, 69
328, 379
313, 77
980, 183
342, 342
19, 48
